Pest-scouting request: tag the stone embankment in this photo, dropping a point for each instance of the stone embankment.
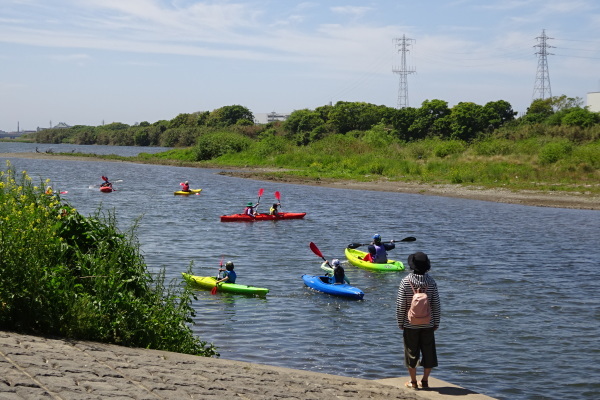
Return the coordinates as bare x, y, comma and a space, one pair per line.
33, 367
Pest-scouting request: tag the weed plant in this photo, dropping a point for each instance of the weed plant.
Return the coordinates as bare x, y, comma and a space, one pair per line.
63, 274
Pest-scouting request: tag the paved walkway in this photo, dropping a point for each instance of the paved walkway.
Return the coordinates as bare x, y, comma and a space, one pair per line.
33, 367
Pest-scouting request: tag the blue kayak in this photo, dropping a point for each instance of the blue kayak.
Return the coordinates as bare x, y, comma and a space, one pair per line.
321, 283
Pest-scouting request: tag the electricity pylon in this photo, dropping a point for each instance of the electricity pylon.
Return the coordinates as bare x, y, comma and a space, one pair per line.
403, 71
542, 77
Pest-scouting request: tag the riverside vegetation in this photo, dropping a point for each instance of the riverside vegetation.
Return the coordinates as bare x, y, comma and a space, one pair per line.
63, 274
554, 146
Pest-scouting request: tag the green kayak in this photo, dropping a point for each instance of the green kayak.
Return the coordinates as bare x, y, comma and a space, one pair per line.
209, 282
355, 257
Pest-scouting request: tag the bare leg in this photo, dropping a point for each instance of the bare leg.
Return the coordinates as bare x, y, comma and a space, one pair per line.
425, 379
413, 378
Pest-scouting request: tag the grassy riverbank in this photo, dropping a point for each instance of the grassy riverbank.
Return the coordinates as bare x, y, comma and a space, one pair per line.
538, 163
67, 275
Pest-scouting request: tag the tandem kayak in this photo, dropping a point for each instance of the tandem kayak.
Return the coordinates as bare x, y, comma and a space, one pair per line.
355, 257
183, 193
261, 217
321, 283
209, 282
106, 189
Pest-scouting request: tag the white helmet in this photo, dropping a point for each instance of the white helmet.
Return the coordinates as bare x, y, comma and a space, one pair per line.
335, 262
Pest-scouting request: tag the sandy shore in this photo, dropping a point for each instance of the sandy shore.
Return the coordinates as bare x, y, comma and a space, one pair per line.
585, 201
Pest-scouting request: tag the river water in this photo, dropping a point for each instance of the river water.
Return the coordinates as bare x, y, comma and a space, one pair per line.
518, 284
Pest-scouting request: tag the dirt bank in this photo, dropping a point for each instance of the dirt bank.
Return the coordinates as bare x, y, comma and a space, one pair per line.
585, 201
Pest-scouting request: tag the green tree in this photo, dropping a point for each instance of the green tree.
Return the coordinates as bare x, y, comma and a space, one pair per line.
228, 115
430, 111
466, 121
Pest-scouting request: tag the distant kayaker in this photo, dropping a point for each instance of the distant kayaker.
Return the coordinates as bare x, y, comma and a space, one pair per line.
106, 183
229, 274
251, 209
49, 190
185, 186
339, 276
378, 250
274, 210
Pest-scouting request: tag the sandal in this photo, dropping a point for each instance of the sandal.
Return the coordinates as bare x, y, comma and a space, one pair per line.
425, 384
412, 385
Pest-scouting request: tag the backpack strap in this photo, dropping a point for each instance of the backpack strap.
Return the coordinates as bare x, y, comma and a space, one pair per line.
418, 290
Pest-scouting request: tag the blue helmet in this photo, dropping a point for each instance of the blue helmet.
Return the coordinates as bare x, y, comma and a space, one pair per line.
377, 236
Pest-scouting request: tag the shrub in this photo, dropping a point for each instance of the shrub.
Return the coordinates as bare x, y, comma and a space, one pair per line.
216, 144
554, 151
447, 147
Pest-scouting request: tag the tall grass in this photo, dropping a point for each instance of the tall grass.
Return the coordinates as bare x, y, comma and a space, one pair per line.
79, 277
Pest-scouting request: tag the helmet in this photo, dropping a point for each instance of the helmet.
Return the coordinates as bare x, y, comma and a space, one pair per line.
229, 265
186, 182
377, 237
335, 262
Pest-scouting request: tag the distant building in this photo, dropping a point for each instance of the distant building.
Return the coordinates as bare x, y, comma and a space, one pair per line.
593, 101
273, 117
60, 125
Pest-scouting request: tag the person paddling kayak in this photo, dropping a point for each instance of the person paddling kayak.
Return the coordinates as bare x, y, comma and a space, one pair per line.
185, 186
378, 250
229, 274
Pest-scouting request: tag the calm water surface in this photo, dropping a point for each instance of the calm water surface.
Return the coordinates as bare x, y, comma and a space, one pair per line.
518, 284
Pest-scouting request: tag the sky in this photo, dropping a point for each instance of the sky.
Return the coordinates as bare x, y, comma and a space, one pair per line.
94, 62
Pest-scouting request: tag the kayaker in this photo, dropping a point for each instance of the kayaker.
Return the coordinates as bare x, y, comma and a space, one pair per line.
185, 187
378, 250
106, 183
49, 190
339, 276
273, 210
251, 209
229, 274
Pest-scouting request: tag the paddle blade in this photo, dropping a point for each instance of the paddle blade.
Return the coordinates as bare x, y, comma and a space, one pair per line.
260, 192
409, 239
315, 249
278, 196
213, 290
64, 192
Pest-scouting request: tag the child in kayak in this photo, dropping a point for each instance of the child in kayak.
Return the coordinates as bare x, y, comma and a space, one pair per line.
339, 276
229, 274
273, 210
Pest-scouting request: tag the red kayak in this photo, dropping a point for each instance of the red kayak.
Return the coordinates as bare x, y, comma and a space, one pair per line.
261, 217
106, 189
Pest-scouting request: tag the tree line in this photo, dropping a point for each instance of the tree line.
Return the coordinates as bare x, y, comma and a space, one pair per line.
434, 119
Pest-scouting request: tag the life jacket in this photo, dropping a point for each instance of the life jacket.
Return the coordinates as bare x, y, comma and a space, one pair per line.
249, 211
185, 188
338, 274
273, 211
232, 276
380, 254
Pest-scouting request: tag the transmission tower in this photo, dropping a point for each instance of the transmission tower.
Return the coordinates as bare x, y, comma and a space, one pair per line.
402, 45
541, 89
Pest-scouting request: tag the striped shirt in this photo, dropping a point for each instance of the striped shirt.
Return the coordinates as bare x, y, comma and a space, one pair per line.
405, 295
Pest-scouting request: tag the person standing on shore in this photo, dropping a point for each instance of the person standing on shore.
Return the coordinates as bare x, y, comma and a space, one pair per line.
419, 318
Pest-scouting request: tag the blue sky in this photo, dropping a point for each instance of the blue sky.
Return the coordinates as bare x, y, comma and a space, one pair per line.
100, 61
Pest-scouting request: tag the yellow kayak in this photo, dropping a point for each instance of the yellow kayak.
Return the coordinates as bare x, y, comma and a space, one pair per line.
355, 257
209, 282
191, 191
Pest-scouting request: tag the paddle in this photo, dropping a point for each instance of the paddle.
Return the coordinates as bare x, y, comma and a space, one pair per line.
406, 239
278, 197
214, 290
316, 250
